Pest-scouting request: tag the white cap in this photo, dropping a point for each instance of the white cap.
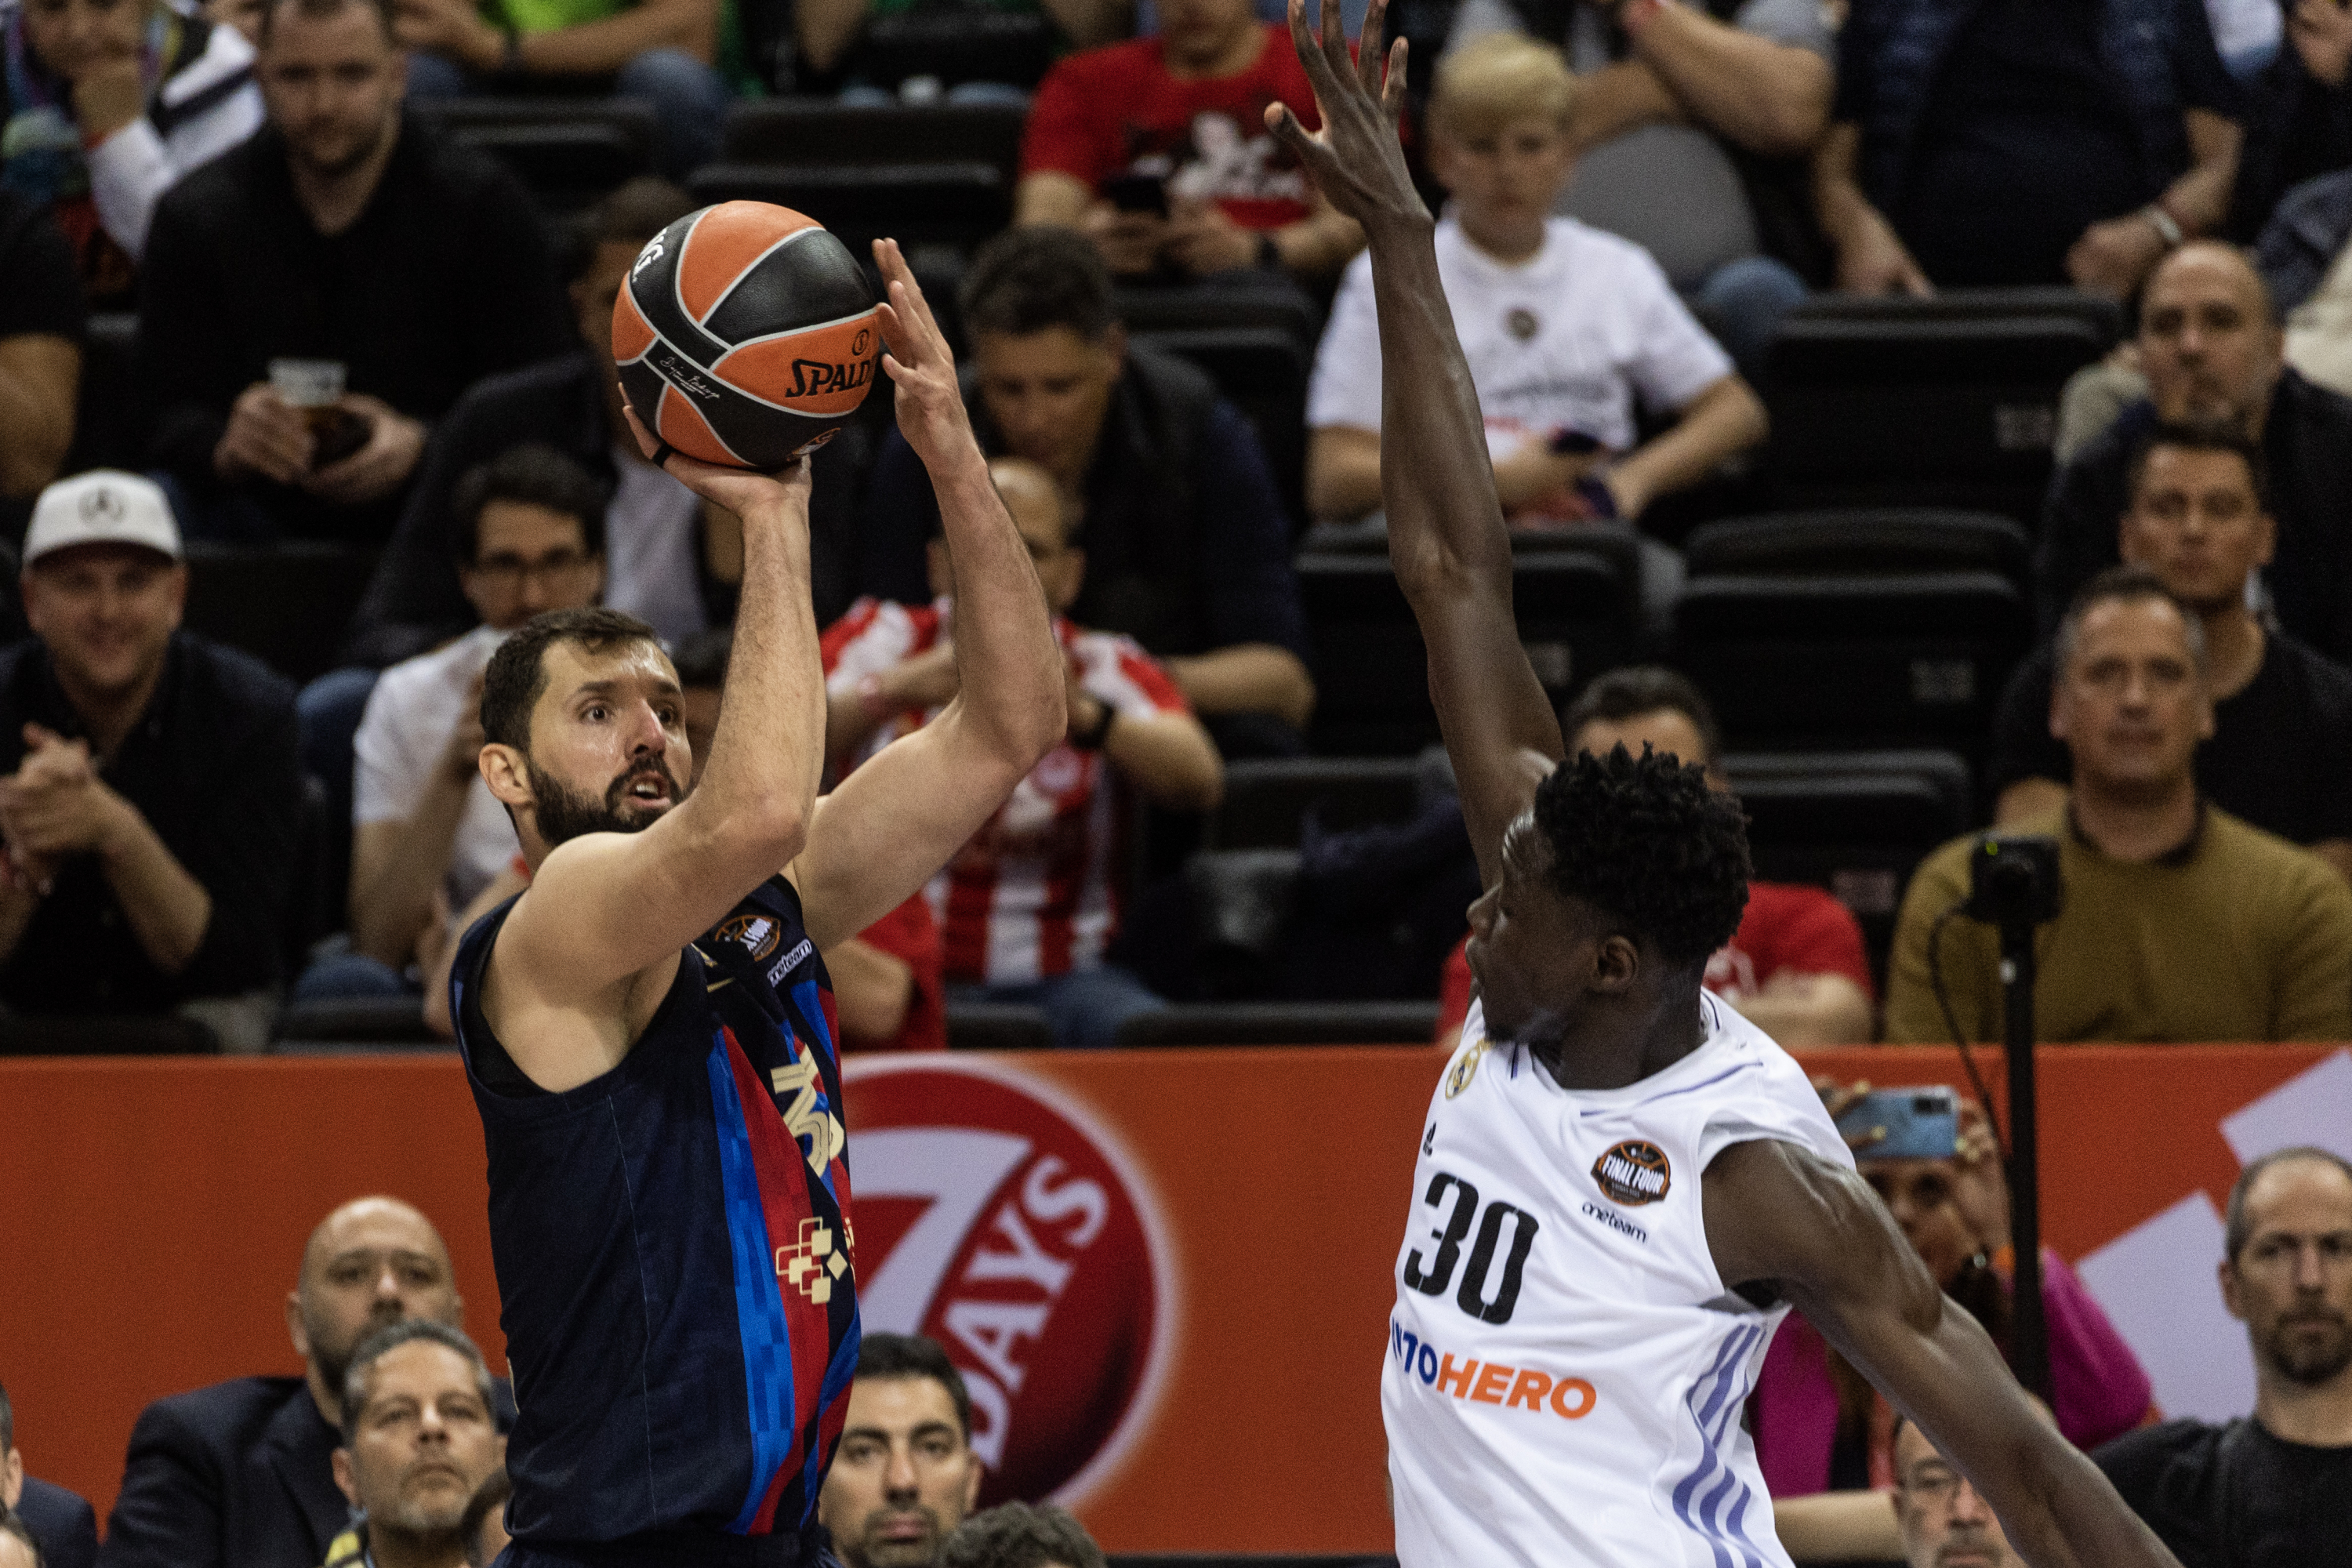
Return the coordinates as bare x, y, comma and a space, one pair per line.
105, 506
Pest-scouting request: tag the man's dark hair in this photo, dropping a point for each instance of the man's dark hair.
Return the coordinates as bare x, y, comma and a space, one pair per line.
702, 658
1020, 1535
1646, 841
383, 1342
490, 1496
534, 474
518, 671
13, 1524
1621, 694
320, 11
888, 1355
2238, 1228
631, 213
2121, 584
1029, 280
2201, 436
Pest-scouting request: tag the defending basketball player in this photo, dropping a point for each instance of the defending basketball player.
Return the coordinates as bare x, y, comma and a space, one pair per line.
649, 1026
1622, 1187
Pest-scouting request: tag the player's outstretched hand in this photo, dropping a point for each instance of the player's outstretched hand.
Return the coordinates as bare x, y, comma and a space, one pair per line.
738, 490
920, 364
1356, 160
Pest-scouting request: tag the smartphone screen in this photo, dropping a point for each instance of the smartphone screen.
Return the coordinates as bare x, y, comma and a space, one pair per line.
1921, 1123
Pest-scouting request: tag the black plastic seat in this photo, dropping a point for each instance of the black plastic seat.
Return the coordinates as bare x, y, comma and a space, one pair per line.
1577, 615
953, 45
288, 605
375, 1021
1952, 401
1217, 306
159, 1035
804, 132
997, 1027
1262, 371
1883, 659
956, 203
1266, 799
107, 428
567, 151
1862, 540
1285, 1024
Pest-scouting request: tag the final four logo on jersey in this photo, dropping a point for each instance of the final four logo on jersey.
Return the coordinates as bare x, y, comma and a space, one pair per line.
1465, 1069
1634, 1173
757, 934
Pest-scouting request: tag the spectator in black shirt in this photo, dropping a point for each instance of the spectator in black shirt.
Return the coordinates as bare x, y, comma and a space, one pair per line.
2211, 348
40, 348
2274, 1490
61, 1522
2280, 755
1187, 547
1987, 142
150, 795
2299, 124
338, 233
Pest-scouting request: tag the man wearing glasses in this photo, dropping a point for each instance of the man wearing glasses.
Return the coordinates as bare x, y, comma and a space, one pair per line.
529, 536
1944, 1523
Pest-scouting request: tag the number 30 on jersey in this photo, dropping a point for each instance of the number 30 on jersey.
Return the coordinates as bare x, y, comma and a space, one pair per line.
1457, 1208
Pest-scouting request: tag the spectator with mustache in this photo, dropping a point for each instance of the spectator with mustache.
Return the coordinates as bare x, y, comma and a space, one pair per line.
420, 1438
905, 1475
2275, 1488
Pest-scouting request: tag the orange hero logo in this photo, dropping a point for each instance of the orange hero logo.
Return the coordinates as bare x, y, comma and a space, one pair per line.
1634, 1173
1492, 1383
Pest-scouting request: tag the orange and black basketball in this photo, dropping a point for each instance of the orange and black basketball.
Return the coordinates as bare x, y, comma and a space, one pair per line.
746, 335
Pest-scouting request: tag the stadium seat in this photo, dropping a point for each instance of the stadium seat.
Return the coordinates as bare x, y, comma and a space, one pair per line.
1948, 402
1578, 613
1266, 799
1864, 540
107, 428
375, 1022
1262, 371
567, 151
1285, 1024
1214, 305
954, 202
288, 605
164, 1035
952, 45
1872, 660
1857, 823
804, 132
997, 1027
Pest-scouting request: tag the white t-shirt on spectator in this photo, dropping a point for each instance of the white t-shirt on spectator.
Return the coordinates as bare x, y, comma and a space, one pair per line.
649, 550
1568, 339
402, 737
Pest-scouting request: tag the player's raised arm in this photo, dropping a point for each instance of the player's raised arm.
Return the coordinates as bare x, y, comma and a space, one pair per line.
1446, 539
896, 819
605, 734
1776, 1213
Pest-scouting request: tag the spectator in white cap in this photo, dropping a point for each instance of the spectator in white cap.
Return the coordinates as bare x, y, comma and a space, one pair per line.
151, 794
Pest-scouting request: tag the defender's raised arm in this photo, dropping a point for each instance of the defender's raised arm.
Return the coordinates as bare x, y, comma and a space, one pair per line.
1446, 538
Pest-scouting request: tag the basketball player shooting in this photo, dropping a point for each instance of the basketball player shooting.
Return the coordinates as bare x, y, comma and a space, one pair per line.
649, 1030
1622, 1187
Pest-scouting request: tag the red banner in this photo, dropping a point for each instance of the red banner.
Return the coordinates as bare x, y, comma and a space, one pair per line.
1166, 1274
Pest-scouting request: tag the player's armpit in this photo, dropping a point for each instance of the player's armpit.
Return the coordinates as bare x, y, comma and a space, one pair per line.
1780, 1215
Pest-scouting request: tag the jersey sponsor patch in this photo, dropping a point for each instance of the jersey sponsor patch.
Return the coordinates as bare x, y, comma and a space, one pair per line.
1491, 1382
1634, 1173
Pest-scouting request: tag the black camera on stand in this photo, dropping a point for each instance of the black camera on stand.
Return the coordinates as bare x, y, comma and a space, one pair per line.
2014, 885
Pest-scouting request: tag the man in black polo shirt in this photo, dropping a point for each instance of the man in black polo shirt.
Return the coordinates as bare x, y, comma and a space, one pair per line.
151, 796
1187, 548
338, 234
2281, 755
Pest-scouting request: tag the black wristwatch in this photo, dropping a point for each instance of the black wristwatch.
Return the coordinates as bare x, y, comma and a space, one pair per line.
1092, 737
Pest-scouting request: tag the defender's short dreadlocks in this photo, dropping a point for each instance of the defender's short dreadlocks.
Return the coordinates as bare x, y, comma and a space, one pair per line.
1646, 840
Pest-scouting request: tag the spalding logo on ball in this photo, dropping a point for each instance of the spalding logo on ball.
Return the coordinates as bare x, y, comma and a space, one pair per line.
745, 335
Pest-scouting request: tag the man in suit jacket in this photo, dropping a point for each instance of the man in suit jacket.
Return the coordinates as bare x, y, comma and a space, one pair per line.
60, 1521
240, 1475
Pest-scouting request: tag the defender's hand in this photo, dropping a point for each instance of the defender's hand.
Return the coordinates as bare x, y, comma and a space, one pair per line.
1356, 160
737, 491
930, 403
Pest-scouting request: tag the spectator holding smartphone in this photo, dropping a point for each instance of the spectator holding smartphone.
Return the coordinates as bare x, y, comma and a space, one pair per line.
1819, 1424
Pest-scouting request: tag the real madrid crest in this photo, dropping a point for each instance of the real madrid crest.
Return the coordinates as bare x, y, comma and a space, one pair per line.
1465, 1067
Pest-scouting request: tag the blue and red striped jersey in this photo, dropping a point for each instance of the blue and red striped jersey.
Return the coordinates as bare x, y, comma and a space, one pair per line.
674, 1247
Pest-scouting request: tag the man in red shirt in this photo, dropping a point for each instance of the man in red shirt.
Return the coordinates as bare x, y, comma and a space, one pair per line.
1796, 967
1157, 149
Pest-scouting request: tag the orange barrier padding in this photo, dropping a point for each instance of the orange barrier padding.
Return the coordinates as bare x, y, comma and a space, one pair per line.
1167, 1274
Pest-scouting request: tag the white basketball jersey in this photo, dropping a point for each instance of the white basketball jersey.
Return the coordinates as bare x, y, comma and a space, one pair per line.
1565, 1370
